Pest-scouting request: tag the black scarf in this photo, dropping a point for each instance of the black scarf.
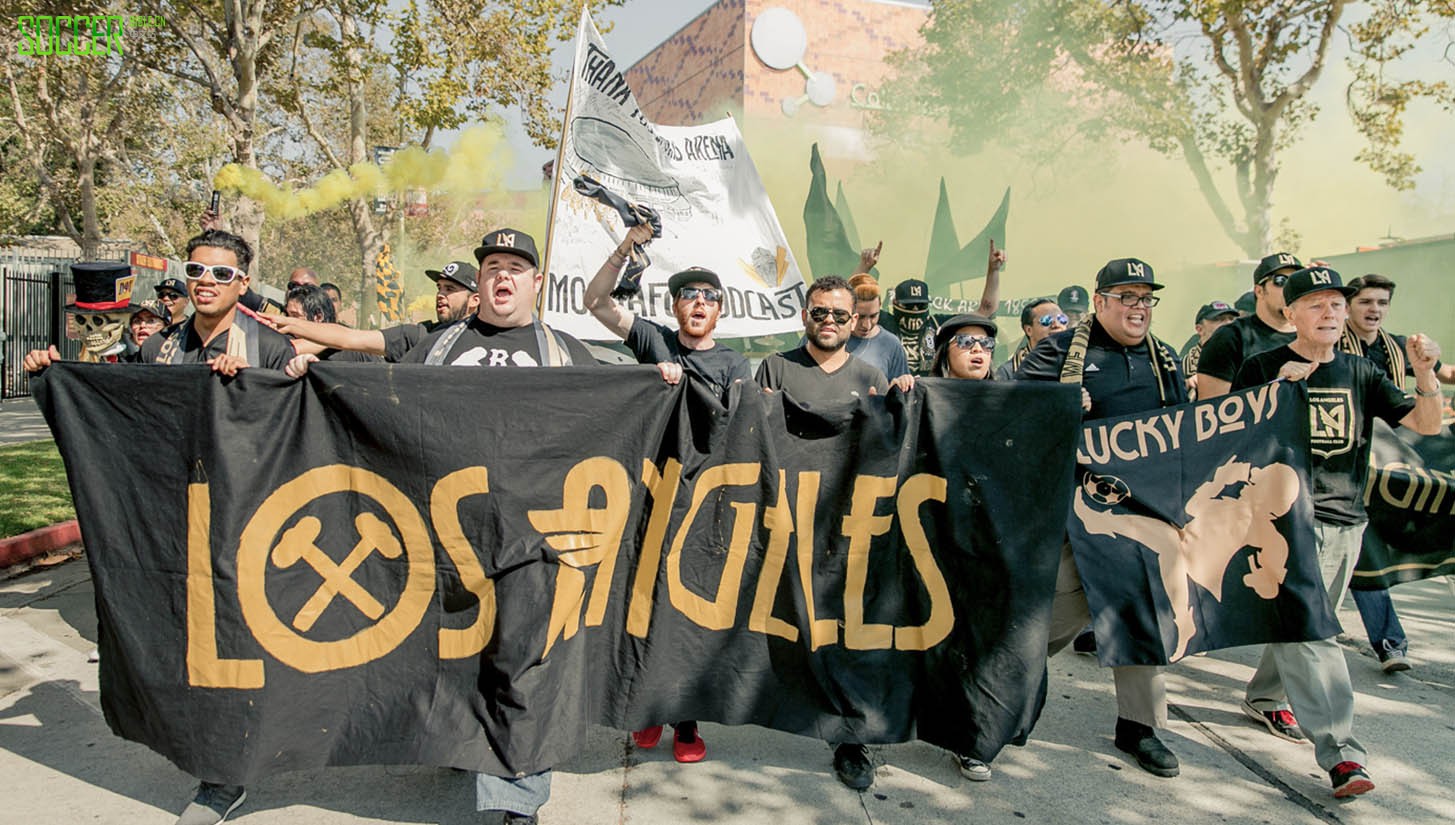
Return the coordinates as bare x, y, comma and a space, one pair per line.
631, 214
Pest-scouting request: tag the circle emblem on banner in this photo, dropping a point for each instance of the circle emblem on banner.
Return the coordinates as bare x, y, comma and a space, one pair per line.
1108, 490
261, 543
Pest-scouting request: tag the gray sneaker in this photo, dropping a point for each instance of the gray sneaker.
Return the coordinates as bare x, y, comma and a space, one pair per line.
212, 804
1394, 661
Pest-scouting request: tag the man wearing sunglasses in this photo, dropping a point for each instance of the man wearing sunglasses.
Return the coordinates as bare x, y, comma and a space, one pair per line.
1040, 319
1121, 369
220, 332
172, 292
1228, 347
697, 298
821, 372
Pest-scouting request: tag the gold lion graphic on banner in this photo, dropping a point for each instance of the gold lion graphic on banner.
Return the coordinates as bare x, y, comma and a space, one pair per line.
388, 289
1236, 509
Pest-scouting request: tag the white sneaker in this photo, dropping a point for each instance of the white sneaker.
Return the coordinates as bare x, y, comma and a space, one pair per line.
972, 769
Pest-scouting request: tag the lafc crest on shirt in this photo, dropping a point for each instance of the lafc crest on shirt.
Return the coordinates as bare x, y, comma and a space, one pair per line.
1331, 421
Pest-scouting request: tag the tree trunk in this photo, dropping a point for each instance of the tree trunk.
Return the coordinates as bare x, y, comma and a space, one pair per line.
90, 236
361, 210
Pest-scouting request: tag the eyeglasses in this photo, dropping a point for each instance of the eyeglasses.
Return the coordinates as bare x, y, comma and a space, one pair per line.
297, 284
1048, 320
1278, 280
967, 341
820, 314
221, 273
170, 296
1131, 299
706, 293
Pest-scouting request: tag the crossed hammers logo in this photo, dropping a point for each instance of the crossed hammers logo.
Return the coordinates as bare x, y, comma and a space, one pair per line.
300, 542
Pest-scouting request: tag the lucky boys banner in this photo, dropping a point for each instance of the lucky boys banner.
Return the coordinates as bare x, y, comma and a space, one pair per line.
391, 564
1193, 528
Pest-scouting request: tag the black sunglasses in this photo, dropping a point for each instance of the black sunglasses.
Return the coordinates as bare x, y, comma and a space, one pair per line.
965, 340
707, 293
1278, 280
820, 314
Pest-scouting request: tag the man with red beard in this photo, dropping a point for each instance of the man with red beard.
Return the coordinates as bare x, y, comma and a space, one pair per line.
697, 304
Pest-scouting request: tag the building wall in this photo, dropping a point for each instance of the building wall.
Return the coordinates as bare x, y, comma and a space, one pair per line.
697, 73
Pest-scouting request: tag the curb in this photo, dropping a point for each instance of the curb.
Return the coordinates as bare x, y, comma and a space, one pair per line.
27, 546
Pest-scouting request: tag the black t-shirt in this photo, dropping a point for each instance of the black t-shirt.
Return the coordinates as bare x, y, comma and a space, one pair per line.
1236, 342
486, 345
797, 374
401, 339
718, 367
274, 348
1380, 356
1120, 379
1345, 396
345, 356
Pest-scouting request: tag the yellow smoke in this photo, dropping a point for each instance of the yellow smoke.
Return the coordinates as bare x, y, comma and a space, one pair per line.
475, 163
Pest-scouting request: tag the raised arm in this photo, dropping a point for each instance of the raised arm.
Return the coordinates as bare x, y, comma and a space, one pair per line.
335, 336
990, 296
599, 302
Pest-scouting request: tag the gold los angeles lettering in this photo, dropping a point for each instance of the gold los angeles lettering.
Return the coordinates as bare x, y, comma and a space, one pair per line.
1136, 270
1285, 259
506, 239
1421, 489
1321, 277
586, 532
1162, 432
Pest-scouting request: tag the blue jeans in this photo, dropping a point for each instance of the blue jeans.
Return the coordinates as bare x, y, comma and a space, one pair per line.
1376, 609
519, 796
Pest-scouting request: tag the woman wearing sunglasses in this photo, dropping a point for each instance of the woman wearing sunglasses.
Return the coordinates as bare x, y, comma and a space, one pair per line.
965, 350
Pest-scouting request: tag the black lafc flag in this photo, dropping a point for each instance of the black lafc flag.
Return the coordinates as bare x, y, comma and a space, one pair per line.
1410, 497
1193, 528
367, 567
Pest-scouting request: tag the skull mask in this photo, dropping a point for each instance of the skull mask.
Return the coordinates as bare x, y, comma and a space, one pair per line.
101, 333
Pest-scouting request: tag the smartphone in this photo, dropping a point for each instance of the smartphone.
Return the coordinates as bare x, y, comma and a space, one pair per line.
216, 201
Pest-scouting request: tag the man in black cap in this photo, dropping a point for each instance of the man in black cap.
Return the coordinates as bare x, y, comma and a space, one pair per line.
172, 292
909, 318
1346, 394
1227, 348
1073, 301
1121, 369
456, 297
696, 303
1210, 317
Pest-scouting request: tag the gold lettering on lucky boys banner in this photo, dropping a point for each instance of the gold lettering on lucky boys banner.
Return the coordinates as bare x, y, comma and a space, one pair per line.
584, 537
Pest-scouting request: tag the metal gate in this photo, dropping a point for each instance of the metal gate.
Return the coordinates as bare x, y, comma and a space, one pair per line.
33, 294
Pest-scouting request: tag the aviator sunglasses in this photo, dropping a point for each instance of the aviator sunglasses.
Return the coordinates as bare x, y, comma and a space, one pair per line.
820, 314
965, 340
692, 293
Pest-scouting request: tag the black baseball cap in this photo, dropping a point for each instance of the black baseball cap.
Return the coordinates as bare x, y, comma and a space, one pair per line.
1073, 299
1273, 263
461, 272
969, 319
1122, 271
1213, 309
1247, 303
174, 284
1314, 279
912, 292
693, 275
156, 308
512, 241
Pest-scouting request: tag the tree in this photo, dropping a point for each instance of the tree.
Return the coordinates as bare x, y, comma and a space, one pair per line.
72, 113
1207, 80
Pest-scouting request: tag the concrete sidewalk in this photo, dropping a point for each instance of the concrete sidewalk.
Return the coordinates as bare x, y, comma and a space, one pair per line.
62, 764
21, 421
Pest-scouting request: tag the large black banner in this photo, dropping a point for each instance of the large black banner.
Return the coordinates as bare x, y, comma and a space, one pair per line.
1193, 528
410, 564
1410, 497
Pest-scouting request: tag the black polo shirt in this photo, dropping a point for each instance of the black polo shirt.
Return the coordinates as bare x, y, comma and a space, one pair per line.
1121, 379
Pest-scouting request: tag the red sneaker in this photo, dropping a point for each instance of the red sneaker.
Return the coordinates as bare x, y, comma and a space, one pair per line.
1350, 779
647, 738
692, 751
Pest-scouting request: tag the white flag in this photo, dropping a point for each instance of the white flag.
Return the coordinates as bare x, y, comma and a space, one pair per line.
715, 212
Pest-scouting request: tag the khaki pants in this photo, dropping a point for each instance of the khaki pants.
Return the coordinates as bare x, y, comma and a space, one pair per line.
1141, 689
1313, 676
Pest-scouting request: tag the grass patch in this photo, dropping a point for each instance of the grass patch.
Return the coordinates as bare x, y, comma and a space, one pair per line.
33, 489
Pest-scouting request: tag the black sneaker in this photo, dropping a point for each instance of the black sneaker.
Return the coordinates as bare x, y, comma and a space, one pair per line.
513, 818
1394, 661
1350, 779
1084, 643
1142, 742
212, 804
852, 766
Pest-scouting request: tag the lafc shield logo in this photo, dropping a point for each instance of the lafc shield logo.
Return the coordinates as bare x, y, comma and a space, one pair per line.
1331, 421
